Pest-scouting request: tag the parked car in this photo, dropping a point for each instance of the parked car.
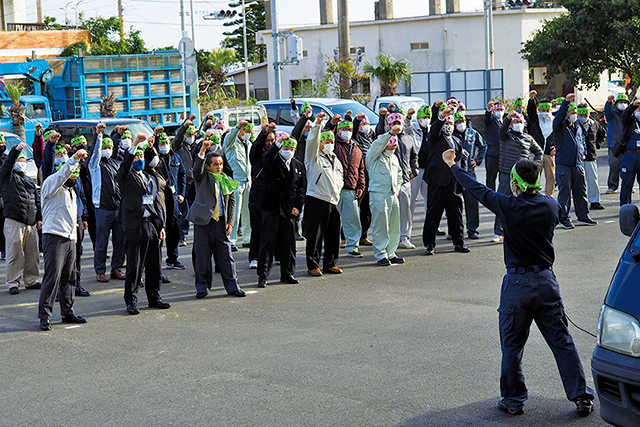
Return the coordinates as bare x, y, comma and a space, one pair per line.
616, 359
13, 140
73, 127
255, 114
404, 102
615, 87
279, 111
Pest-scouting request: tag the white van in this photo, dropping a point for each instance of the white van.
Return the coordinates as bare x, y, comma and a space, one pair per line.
404, 102
255, 114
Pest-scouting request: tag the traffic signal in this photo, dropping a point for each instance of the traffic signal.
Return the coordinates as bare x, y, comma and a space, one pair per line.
221, 14
517, 4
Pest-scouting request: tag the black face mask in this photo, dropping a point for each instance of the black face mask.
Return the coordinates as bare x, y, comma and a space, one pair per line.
2, 148
70, 183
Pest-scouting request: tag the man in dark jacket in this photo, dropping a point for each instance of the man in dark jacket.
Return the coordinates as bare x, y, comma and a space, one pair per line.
630, 148
613, 110
212, 215
285, 187
593, 138
445, 194
181, 145
364, 138
3, 157
302, 128
541, 129
23, 219
143, 217
570, 151
492, 123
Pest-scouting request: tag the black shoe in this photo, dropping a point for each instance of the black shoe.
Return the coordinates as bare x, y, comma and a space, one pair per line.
587, 221
234, 248
246, 245
159, 304
36, 285
396, 260
473, 235
567, 224
14, 290
201, 295
513, 411
73, 319
164, 278
238, 293
461, 248
45, 324
584, 406
183, 242
82, 292
262, 282
430, 250
133, 309
290, 280
177, 265
440, 233
597, 206
449, 237
384, 262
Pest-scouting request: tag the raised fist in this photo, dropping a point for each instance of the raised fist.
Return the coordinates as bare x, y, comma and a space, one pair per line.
610, 98
383, 111
533, 94
411, 112
570, 97
320, 117
242, 123
21, 146
81, 154
192, 117
336, 118
141, 137
447, 112
101, 127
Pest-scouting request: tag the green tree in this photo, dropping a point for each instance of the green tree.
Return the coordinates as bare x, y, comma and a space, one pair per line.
51, 24
256, 21
213, 67
105, 39
16, 111
592, 37
348, 67
389, 72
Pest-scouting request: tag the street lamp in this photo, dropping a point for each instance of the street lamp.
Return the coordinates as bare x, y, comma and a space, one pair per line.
77, 4
66, 13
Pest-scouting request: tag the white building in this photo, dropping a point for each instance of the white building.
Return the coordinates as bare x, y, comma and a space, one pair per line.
446, 52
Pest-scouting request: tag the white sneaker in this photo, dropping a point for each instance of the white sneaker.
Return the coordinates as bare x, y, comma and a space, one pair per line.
497, 238
253, 264
406, 244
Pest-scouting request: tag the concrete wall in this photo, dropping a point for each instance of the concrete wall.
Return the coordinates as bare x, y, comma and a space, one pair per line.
16, 45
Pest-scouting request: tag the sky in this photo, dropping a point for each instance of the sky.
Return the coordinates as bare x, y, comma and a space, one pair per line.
159, 20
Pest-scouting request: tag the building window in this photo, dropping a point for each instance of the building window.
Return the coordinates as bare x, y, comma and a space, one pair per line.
420, 46
305, 54
352, 50
298, 85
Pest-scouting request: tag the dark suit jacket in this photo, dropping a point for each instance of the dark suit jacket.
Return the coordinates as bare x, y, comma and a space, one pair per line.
203, 206
284, 189
133, 188
437, 172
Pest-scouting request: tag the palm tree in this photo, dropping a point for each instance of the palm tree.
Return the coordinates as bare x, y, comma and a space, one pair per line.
15, 91
108, 106
213, 67
388, 72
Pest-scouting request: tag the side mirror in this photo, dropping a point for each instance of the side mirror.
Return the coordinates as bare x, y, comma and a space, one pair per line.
629, 218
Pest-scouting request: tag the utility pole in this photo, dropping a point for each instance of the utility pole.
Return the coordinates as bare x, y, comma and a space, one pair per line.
344, 46
39, 11
184, 86
120, 16
246, 61
193, 27
276, 55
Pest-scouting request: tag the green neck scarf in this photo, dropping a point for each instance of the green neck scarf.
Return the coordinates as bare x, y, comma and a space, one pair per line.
227, 185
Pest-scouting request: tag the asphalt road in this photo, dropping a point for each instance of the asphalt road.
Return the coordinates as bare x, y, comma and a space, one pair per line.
409, 345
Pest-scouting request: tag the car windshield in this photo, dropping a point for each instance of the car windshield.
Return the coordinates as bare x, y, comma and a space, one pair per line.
616, 83
135, 128
13, 141
356, 108
35, 111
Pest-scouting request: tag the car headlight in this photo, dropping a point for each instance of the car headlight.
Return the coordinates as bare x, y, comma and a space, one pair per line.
619, 332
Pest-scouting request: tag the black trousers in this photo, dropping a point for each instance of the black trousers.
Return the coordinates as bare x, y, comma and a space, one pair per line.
255, 218
365, 214
278, 234
143, 253
2, 242
211, 239
59, 263
75, 278
321, 224
439, 200
172, 240
492, 164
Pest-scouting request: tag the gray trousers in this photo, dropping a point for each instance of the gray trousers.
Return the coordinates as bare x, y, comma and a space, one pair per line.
59, 263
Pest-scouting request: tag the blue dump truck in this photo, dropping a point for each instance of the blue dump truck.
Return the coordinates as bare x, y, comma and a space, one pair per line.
145, 86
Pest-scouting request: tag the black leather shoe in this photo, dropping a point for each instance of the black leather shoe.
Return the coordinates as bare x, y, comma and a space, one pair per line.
36, 285
45, 324
513, 411
430, 250
440, 233
262, 282
290, 280
164, 278
461, 248
396, 260
473, 235
13, 290
584, 406
133, 309
159, 304
201, 295
238, 293
384, 262
73, 319
82, 292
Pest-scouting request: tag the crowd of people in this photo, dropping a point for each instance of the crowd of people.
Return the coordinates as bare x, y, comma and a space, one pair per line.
335, 182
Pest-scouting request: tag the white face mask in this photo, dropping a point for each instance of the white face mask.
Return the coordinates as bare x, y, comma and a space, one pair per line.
345, 135
125, 143
424, 123
328, 149
498, 114
544, 115
518, 127
622, 106
246, 136
365, 129
286, 154
164, 149
447, 130
154, 162
514, 189
106, 153
572, 118
20, 167
60, 160
188, 140
461, 127
637, 114
388, 153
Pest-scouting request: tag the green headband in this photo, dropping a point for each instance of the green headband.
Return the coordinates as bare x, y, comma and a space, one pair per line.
80, 139
583, 110
139, 152
443, 106
560, 100
544, 106
345, 124
424, 111
127, 134
459, 116
2, 139
107, 142
518, 103
163, 138
48, 134
60, 149
190, 129
215, 139
142, 146
327, 136
572, 106
249, 126
305, 106
291, 142
622, 97
522, 184
74, 174
21, 156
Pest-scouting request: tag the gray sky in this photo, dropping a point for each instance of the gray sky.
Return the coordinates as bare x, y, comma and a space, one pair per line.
159, 20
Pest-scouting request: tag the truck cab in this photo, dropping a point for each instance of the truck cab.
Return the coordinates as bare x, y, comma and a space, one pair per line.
37, 110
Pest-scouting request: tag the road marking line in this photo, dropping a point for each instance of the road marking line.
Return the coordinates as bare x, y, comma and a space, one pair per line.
72, 327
